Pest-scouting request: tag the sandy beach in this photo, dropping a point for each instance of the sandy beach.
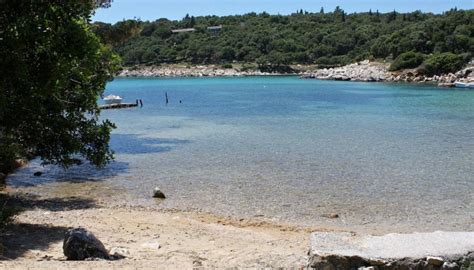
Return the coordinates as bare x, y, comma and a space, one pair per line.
149, 238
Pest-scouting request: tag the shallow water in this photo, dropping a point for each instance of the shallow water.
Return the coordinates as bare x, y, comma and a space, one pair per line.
391, 157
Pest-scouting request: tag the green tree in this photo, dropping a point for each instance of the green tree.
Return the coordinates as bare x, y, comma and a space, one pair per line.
53, 71
407, 60
440, 63
338, 37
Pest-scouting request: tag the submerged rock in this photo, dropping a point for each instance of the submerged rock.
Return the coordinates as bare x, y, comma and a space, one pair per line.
157, 193
80, 244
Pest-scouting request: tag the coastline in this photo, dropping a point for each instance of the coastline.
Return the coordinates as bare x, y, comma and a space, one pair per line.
172, 71
364, 71
191, 239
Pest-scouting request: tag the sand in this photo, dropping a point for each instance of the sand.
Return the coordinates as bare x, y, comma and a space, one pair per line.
151, 239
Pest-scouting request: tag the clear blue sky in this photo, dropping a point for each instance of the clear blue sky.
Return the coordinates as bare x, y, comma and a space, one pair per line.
177, 9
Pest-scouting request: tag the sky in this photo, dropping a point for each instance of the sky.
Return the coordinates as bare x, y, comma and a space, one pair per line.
150, 10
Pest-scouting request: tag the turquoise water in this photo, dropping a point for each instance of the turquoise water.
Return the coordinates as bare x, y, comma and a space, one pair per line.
383, 156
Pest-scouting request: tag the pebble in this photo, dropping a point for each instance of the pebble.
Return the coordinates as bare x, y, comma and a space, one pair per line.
332, 215
151, 245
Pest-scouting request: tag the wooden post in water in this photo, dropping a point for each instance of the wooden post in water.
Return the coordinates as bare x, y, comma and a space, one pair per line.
166, 96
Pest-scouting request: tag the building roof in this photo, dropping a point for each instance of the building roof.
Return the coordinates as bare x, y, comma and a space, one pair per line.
183, 30
216, 27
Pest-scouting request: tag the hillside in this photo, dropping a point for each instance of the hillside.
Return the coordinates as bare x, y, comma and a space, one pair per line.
275, 41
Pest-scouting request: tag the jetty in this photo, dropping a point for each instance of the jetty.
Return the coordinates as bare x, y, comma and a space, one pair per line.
117, 106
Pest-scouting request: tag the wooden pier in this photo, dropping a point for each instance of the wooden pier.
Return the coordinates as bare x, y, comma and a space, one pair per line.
117, 106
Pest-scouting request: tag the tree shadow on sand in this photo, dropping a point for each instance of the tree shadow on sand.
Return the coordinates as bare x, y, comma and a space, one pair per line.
18, 238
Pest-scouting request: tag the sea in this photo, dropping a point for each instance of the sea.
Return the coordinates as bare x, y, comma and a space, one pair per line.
382, 156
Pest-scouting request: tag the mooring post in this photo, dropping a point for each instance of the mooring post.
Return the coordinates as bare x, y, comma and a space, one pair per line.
141, 103
166, 96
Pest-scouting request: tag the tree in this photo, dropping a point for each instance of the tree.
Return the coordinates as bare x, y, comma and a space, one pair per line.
407, 60
53, 71
302, 38
440, 63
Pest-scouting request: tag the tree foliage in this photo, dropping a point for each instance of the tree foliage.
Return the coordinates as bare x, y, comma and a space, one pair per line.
407, 60
326, 38
440, 63
54, 69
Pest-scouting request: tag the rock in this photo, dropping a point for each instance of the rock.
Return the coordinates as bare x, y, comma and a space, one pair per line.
38, 174
151, 245
80, 244
332, 215
18, 163
157, 193
446, 84
119, 252
449, 266
367, 268
2, 177
437, 261
343, 250
77, 161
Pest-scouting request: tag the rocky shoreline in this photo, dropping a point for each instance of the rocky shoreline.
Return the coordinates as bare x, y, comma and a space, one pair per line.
194, 71
364, 71
367, 71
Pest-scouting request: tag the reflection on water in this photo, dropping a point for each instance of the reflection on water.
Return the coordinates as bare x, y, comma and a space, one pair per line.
383, 156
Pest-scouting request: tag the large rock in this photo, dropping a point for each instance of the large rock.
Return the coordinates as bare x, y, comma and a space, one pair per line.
157, 193
391, 251
80, 244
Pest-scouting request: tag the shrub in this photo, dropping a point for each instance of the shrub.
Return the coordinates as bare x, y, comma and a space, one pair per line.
441, 63
226, 66
407, 60
332, 61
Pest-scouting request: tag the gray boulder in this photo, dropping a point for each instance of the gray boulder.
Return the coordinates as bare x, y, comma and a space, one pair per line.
80, 244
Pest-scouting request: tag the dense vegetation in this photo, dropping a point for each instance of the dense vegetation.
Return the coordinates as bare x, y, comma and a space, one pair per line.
274, 41
406, 60
53, 70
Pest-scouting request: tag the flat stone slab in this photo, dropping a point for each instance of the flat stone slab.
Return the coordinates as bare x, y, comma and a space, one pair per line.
393, 246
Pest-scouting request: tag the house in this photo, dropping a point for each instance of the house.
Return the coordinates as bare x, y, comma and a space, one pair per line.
215, 29
184, 30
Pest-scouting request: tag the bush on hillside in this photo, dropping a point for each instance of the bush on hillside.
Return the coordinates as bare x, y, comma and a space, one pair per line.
442, 63
407, 60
